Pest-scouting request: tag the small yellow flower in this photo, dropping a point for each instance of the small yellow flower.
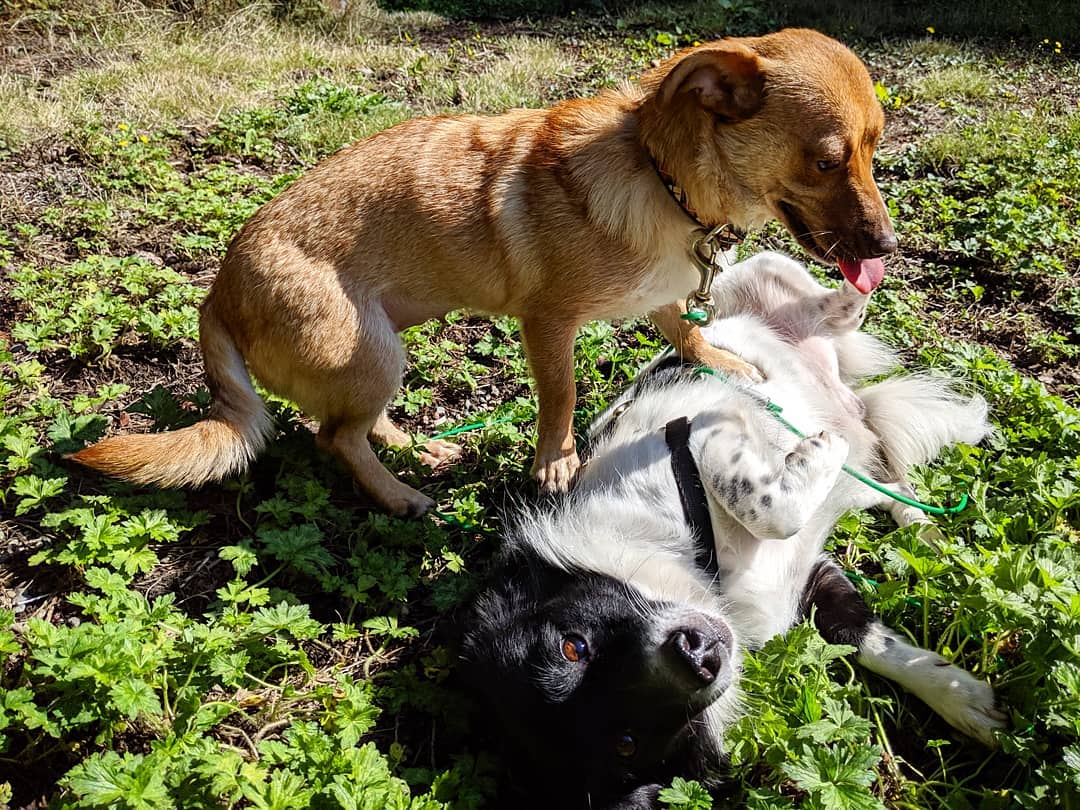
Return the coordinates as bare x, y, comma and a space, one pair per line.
122, 127
930, 29
1046, 42
1057, 44
123, 143
144, 139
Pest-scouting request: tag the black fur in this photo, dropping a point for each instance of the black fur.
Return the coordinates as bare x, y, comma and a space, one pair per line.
558, 723
561, 722
840, 614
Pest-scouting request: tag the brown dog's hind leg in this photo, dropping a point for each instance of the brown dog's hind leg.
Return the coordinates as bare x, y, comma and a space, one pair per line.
435, 452
346, 385
349, 442
549, 347
357, 410
690, 345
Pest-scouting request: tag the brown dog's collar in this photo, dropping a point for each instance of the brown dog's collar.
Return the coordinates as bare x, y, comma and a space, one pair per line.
732, 235
677, 192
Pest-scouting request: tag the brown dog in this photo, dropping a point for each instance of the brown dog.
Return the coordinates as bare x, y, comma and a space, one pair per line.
556, 216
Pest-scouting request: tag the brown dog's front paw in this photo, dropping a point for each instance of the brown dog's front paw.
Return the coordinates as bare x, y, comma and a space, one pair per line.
729, 363
556, 474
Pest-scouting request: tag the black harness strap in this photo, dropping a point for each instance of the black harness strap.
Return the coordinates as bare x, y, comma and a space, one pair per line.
695, 505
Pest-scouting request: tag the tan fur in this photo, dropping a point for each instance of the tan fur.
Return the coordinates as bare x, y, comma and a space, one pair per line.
554, 216
222, 445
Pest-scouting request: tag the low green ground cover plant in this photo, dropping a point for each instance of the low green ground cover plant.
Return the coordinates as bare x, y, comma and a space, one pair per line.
270, 641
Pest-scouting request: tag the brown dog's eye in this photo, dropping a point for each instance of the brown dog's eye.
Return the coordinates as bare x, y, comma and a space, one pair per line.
575, 648
626, 746
828, 165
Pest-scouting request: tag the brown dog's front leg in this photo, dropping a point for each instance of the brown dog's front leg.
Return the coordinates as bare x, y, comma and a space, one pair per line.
549, 347
688, 342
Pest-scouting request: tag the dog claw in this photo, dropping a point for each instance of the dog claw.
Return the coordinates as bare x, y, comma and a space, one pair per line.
404, 502
417, 508
751, 373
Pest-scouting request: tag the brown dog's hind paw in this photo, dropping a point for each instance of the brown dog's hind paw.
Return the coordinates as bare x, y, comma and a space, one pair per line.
556, 474
728, 363
413, 505
401, 501
437, 452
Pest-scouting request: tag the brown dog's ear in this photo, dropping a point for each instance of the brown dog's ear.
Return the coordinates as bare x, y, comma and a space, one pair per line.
727, 79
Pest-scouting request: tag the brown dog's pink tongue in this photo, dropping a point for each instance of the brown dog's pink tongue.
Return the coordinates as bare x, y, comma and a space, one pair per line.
864, 274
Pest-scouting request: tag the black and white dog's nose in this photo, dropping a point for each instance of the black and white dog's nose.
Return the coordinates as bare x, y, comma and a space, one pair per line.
701, 648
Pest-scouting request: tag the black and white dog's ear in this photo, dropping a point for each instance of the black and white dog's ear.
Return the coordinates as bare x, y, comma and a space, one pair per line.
492, 611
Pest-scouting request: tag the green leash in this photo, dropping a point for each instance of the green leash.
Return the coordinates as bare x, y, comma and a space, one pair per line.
776, 410
450, 520
698, 316
771, 406
473, 426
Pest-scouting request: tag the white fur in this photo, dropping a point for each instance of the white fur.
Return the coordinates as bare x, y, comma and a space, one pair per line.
959, 697
624, 518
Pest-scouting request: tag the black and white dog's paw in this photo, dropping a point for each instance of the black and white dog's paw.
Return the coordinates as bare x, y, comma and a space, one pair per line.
967, 704
778, 503
820, 456
963, 701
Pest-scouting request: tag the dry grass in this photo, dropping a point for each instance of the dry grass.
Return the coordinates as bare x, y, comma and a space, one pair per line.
995, 136
492, 76
151, 69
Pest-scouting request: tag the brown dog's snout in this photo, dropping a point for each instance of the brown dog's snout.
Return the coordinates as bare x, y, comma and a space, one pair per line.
701, 648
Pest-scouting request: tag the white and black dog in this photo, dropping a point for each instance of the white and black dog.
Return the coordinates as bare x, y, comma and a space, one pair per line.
609, 645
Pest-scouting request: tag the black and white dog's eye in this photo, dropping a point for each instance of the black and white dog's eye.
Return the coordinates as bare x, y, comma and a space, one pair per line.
626, 746
621, 409
575, 648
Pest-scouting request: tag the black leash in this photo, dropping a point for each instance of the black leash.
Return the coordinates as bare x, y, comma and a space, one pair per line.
695, 504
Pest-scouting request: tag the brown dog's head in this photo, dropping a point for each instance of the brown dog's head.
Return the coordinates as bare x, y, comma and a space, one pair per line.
776, 127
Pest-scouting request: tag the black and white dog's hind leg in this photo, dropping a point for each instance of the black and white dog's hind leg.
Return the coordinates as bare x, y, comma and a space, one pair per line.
916, 417
842, 617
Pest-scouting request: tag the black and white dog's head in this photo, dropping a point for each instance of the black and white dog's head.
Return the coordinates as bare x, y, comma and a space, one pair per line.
598, 689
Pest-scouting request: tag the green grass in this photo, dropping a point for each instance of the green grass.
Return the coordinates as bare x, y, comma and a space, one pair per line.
270, 641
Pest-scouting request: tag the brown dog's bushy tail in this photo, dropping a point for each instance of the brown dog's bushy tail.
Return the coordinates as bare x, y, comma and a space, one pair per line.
221, 445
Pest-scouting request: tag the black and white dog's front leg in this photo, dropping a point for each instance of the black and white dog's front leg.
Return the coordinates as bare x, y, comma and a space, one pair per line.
842, 617
771, 493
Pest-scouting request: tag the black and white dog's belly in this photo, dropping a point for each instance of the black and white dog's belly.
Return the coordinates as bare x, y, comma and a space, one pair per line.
609, 653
